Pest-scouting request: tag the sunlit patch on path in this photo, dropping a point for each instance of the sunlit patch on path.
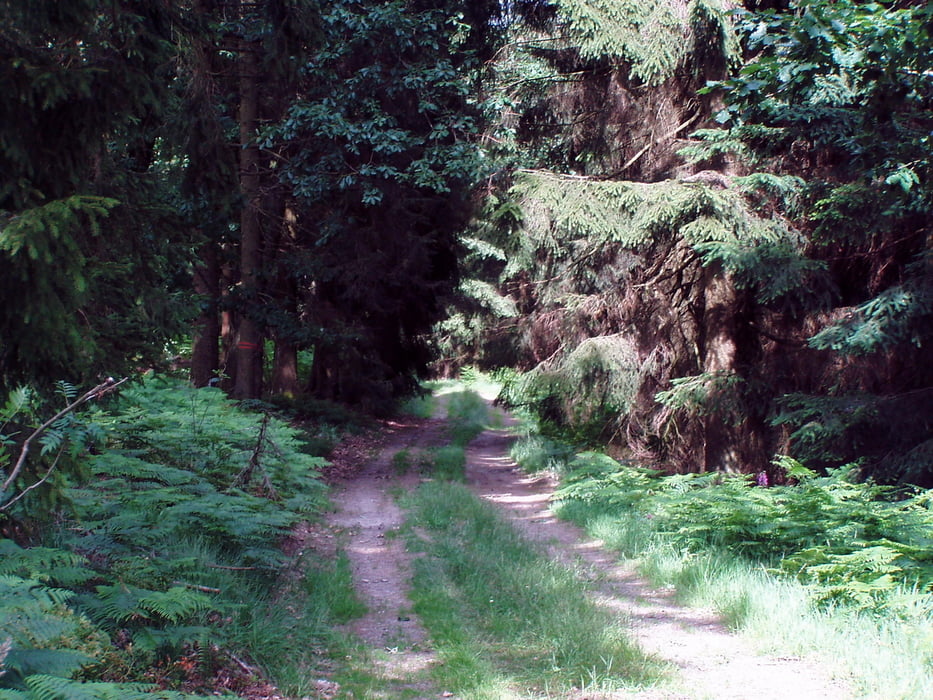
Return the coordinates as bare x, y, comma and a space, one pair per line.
708, 661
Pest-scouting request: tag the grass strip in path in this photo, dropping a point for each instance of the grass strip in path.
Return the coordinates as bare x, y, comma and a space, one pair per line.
507, 621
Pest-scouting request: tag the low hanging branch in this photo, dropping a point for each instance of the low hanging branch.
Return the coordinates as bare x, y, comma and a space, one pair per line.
100, 390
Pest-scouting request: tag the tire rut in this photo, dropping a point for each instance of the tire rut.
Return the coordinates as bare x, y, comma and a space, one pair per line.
707, 660
368, 516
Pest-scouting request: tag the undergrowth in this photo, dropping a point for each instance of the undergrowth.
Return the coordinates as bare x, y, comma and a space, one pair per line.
827, 565
159, 570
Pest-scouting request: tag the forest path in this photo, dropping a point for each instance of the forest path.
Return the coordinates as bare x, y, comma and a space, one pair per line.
368, 517
707, 661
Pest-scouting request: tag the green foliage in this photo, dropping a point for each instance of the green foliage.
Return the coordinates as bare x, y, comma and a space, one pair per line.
838, 95
853, 544
377, 151
654, 38
818, 254
188, 491
89, 242
586, 389
493, 601
570, 220
704, 394
536, 453
900, 314
448, 463
188, 460
467, 416
37, 477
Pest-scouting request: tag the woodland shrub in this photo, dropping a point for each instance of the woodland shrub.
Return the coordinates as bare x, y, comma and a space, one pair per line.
172, 527
855, 544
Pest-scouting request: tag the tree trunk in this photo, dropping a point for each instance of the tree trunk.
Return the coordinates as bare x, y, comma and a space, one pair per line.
205, 355
248, 368
285, 370
719, 353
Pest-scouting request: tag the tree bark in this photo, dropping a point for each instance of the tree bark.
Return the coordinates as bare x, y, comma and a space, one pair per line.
285, 370
205, 354
719, 355
247, 383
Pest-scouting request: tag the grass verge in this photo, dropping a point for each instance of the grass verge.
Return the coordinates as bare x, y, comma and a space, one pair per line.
827, 568
292, 634
505, 619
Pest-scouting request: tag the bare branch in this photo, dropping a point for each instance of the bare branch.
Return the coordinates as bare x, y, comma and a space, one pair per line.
103, 388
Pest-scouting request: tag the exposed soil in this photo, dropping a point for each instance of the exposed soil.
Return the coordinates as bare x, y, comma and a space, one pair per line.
707, 661
368, 517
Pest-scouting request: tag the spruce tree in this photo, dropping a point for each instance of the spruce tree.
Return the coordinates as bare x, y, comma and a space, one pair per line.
90, 249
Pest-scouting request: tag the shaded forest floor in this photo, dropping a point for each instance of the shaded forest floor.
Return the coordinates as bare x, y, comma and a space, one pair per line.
701, 657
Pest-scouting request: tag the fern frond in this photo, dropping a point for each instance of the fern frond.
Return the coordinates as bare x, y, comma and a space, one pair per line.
55, 662
67, 390
47, 687
45, 564
175, 604
17, 400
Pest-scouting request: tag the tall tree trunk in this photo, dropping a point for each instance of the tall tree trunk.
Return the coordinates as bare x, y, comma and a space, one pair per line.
205, 355
280, 242
248, 370
285, 369
719, 355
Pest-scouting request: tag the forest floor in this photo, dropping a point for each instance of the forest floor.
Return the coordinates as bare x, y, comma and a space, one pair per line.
706, 660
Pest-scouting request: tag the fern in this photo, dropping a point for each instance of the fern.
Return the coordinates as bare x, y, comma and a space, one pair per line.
169, 471
17, 401
23, 663
861, 545
47, 687
118, 604
48, 565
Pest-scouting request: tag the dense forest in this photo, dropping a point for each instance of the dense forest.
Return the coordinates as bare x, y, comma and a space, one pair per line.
693, 234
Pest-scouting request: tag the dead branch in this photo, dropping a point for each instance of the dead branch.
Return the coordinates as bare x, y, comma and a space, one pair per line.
100, 390
196, 587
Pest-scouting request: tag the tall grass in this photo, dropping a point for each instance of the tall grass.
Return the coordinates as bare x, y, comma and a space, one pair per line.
828, 567
501, 613
291, 633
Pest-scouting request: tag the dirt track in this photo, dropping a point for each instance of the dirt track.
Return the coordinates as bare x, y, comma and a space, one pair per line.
707, 661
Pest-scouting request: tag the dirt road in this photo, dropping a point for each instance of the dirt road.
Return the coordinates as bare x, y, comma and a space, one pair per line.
707, 661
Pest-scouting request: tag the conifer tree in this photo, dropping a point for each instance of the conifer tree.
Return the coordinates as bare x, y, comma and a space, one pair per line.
767, 290
89, 247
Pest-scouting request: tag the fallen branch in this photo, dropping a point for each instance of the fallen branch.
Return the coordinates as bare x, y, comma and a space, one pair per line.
36, 485
230, 568
103, 388
243, 665
196, 587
